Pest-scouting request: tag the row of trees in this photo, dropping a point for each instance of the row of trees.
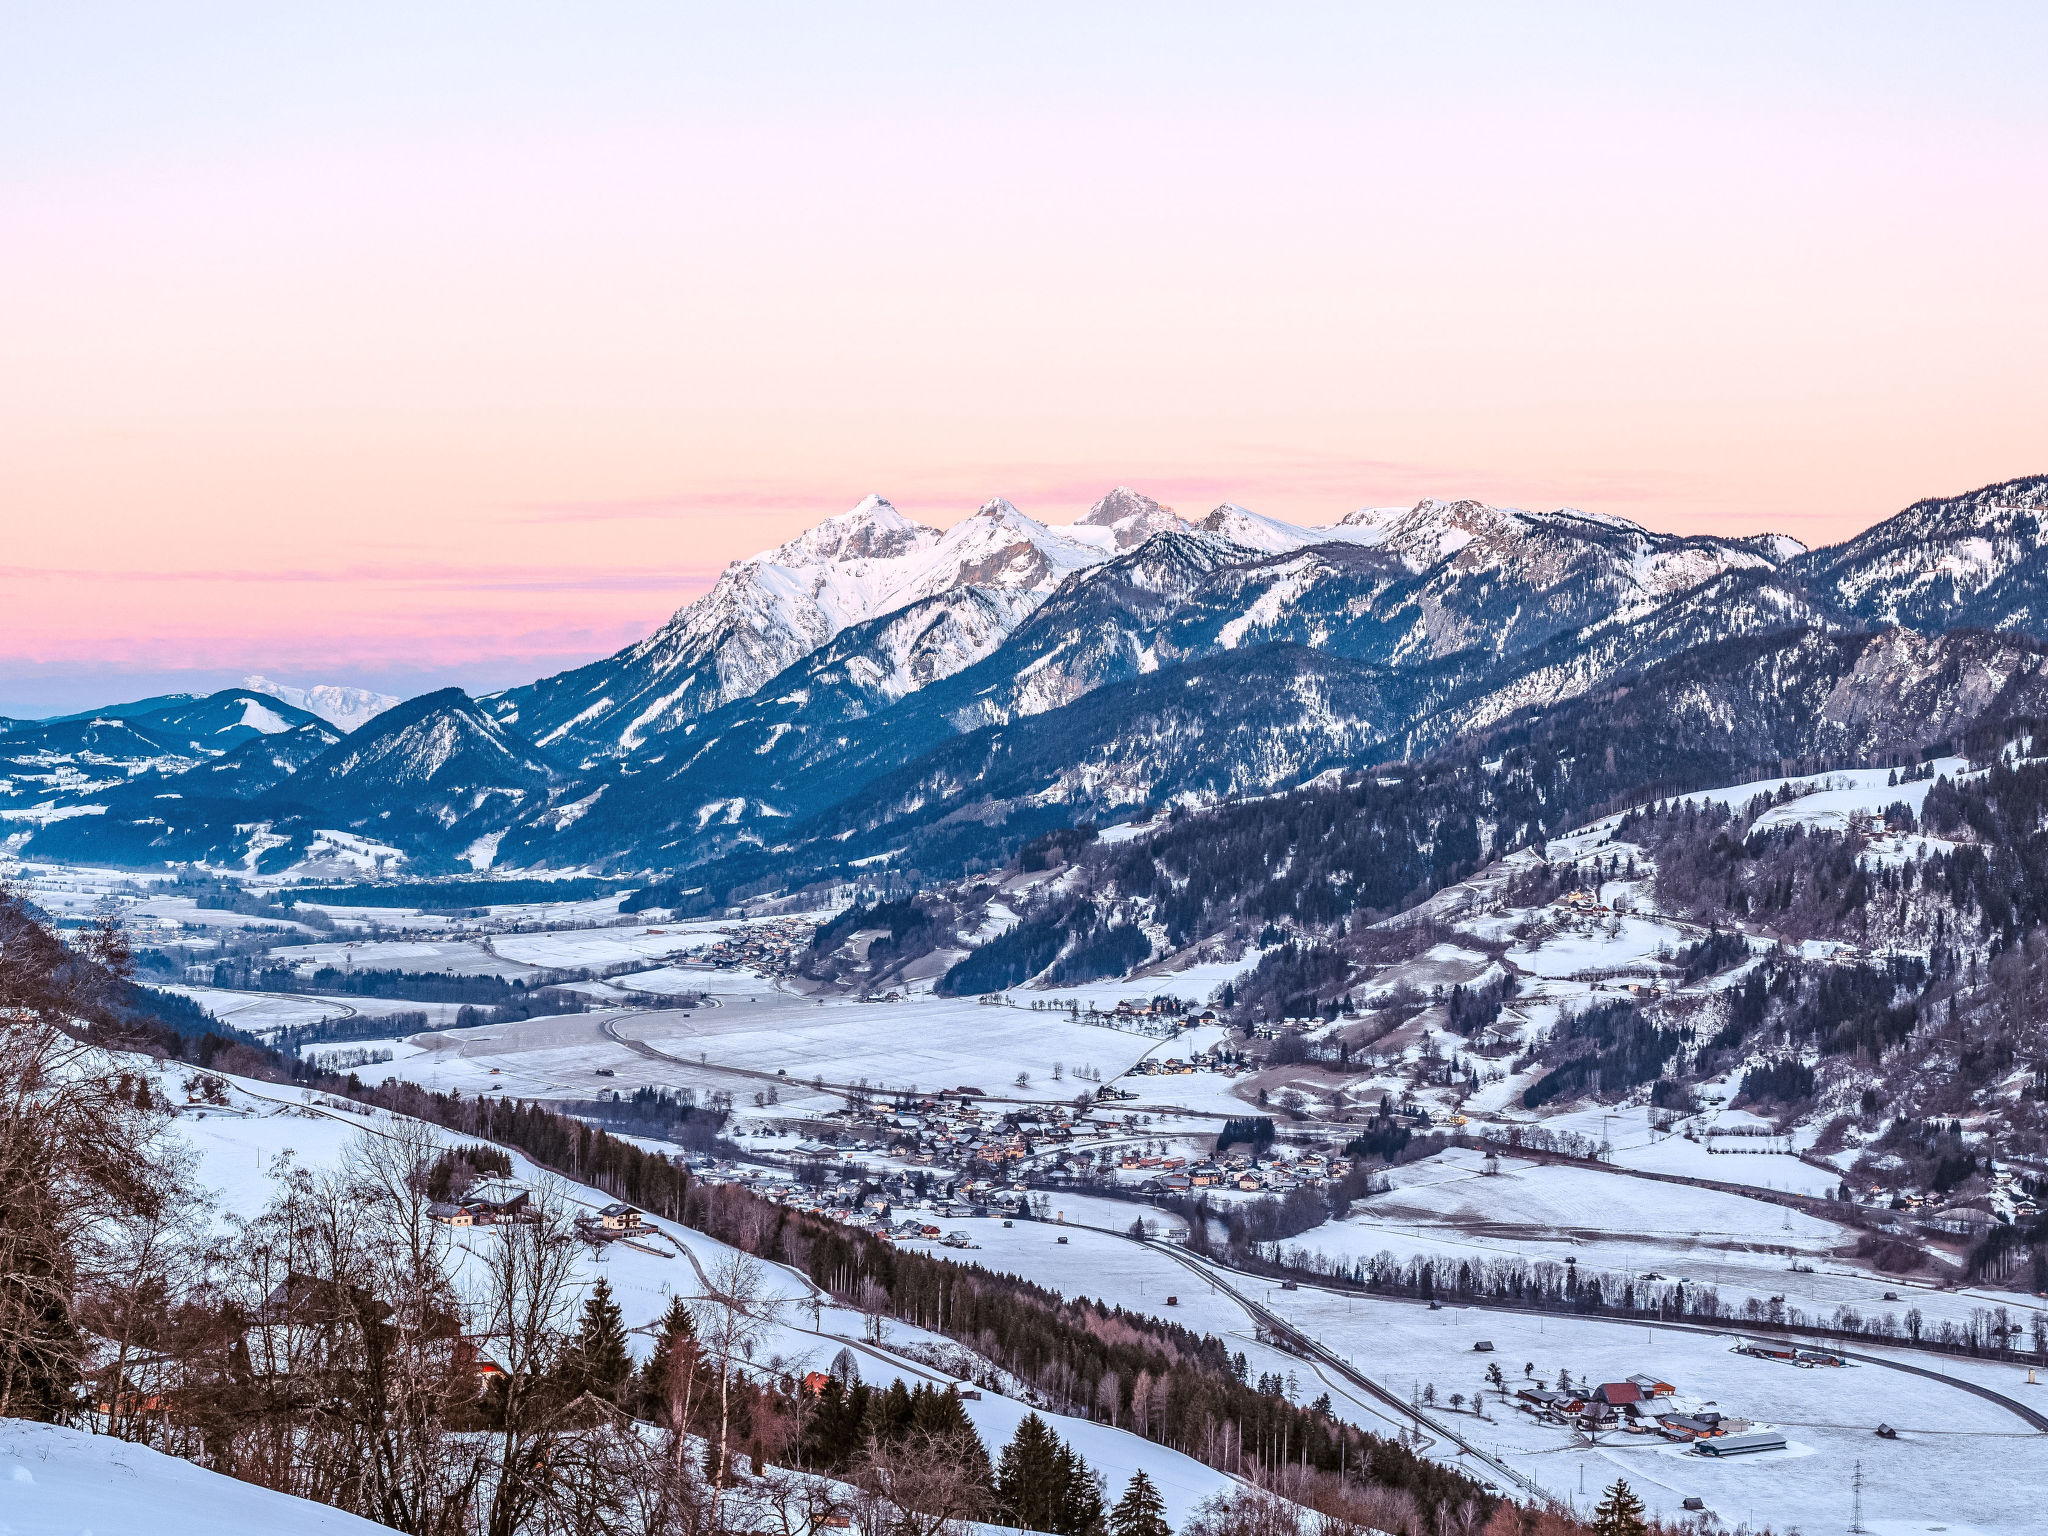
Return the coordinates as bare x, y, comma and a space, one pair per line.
1989, 1332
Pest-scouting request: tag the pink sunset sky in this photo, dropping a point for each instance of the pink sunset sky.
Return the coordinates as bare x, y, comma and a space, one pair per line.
406, 345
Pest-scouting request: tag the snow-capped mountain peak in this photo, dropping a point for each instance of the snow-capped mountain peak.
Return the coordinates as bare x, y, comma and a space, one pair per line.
1268, 535
772, 609
1128, 517
339, 706
872, 530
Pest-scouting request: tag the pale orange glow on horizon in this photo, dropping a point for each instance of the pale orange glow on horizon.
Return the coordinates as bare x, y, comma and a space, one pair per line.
431, 380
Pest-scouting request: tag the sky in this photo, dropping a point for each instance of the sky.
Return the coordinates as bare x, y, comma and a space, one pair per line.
403, 345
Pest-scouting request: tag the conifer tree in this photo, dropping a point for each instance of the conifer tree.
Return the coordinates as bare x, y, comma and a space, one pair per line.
1141, 1511
1026, 1477
1078, 1506
1620, 1513
665, 1375
941, 1417
599, 1361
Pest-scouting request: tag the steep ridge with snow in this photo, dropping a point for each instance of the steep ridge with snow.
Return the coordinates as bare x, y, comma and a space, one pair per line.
851, 662
884, 692
431, 776
775, 608
769, 611
426, 780
1246, 722
1947, 562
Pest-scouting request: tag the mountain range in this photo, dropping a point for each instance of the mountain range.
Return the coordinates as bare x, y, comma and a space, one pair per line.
876, 691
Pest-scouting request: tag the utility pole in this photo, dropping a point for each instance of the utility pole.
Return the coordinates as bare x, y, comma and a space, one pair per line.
1856, 1501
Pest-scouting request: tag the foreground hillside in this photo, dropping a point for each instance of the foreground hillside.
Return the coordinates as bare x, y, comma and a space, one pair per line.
60, 1482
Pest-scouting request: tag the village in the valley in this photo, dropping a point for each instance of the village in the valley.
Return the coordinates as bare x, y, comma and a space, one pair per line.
1353, 1200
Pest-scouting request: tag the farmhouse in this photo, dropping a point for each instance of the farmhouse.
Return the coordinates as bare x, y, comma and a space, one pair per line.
494, 1200
1690, 1426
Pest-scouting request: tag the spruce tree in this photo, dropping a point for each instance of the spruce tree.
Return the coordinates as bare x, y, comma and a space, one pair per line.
941, 1415
1077, 1508
890, 1414
599, 1361
1620, 1513
1141, 1511
1027, 1487
678, 1333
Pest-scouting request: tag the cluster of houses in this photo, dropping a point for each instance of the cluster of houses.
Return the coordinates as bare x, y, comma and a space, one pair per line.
986, 1147
1789, 1354
1640, 1405
492, 1202
889, 1205
484, 1204
773, 948
1218, 1058
1272, 1172
1170, 1012
1648, 1406
2008, 1200
952, 1130
1162, 1016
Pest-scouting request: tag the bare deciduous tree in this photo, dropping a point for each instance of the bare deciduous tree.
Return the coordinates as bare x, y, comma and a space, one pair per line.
736, 1310
926, 1485
80, 1164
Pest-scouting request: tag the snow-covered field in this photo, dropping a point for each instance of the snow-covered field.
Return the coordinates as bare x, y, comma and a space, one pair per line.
516, 953
1635, 1143
65, 1482
756, 1029
1959, 1461
1830, 799
1447, 1209
1453, 1189
264, 1013
1829, 1415
572, 949
454, 957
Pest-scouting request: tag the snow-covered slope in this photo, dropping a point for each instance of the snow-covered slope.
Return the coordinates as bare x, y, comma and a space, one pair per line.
65, 1482
772, 609
67, 767
244, 1150
1948, 561
424, 743
339, 706
1267, 535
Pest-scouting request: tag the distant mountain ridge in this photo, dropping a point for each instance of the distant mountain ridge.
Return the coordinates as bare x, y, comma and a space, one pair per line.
876, 685
342, 707
774, 608
1947, 562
